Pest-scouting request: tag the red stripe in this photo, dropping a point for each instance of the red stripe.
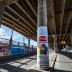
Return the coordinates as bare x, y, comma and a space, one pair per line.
42, 38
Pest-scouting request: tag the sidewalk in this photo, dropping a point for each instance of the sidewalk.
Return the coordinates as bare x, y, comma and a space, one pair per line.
63, 63
51, 62
25, 64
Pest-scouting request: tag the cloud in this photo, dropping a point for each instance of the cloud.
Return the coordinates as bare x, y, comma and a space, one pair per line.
7, 36
16, 37
2, 32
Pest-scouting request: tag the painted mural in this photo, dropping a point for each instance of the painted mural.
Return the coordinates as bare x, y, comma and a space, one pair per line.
42, 49
42, 45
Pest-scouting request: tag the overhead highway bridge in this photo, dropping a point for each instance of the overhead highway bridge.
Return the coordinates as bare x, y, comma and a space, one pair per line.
49, 23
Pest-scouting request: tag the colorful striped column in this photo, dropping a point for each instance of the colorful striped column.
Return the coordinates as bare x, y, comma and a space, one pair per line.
42, 36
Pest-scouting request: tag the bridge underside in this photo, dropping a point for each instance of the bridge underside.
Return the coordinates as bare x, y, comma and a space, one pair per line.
21, 15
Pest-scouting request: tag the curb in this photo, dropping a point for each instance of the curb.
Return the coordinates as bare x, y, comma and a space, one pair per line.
52, 68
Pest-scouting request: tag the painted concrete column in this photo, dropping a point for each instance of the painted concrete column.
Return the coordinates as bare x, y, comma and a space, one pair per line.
2, 8
10, 43
11, 39
25, 48
3, 4
55, 42
71, 37
42, 36
28, 45
24, 44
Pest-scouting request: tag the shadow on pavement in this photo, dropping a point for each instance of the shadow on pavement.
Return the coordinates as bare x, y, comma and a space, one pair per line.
56, 70
67, 54
10, 68
14, 59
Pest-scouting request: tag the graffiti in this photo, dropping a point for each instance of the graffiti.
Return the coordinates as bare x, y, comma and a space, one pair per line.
43, 49
42, 36
4, 48
42, 40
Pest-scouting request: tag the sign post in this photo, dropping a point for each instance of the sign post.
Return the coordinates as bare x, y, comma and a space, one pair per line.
42, 37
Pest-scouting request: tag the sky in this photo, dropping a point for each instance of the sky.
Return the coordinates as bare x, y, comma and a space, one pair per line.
5, 32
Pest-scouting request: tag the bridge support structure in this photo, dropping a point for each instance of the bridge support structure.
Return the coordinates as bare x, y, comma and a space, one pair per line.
42, 37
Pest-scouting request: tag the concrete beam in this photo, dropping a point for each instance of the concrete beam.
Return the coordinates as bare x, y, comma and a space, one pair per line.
51, 15
68, 22
22, 18
30, 5
15, 28
14, 24
25, 13
18, 22
8, 2
62, 15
